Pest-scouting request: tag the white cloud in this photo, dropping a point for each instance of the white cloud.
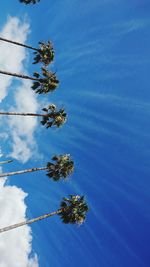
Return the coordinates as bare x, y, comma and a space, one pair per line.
20, 129
25, 102
20, 149
11, 56
15, 245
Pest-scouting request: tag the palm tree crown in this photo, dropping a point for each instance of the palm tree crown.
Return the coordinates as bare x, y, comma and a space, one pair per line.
74, 209
29, 1
53, 117
45, 54
62, 167
45, 84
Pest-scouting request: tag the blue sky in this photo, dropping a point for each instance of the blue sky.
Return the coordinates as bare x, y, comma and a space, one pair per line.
102, 61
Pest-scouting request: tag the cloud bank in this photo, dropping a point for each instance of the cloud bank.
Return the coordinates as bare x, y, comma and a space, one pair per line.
12, 56
16, 245
21, 130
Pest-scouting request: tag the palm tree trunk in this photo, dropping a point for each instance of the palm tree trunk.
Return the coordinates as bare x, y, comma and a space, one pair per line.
21, 114
30, 221
17, 43
22, 171
6, 161
19, 75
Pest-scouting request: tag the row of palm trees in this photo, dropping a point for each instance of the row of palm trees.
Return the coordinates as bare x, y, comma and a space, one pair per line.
73, 209
42, 84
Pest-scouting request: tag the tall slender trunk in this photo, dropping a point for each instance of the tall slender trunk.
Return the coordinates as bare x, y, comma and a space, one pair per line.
6, 161
17, 43
21, 114
30, 221
19, 75
22, 171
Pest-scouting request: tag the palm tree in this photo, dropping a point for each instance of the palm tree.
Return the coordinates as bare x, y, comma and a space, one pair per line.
29, 1
6, 161
43, 54
42, 84
47, 83
62, 167
52, 118
72, 210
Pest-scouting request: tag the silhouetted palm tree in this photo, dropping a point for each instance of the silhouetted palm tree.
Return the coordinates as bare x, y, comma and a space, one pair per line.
51, 118
43, 54
72, 210
62, 167
29, 1
42, 84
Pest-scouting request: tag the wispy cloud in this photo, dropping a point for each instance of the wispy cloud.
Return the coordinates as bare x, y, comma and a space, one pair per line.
125, 27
